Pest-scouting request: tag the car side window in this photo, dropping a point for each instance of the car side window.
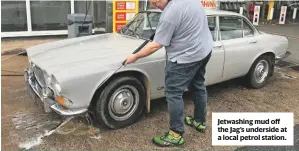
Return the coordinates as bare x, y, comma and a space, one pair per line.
230, 27
247, 29
146, 25
212, 26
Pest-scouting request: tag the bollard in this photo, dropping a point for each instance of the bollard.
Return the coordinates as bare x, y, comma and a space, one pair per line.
294, 14
282, 17
271, 15
256, 15
241, 10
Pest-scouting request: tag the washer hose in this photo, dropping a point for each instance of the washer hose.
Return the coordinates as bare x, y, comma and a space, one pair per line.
124, 62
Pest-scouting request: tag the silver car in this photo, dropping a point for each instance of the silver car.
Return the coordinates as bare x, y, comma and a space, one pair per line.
79, 75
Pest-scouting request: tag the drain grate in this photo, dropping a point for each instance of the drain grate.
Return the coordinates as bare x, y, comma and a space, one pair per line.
296, 68
282, 63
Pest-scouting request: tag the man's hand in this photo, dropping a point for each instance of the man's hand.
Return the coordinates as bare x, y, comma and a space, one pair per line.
147, 50
131, 59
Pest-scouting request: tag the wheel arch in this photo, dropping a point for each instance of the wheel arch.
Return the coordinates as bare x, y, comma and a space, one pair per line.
268, 53
141, 76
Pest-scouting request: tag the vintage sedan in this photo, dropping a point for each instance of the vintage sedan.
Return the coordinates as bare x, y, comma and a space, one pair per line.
79, 75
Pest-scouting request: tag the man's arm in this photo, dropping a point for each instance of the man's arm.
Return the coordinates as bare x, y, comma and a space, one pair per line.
162, 38
148, 49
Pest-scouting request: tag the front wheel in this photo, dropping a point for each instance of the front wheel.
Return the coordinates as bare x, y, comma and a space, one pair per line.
259, 72
121, 102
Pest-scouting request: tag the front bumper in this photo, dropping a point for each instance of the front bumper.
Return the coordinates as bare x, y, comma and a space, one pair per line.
36, 93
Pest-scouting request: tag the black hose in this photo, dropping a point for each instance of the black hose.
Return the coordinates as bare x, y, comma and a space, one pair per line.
11, 71
141, 46
87, 10
123, 63
24, 53
12, 75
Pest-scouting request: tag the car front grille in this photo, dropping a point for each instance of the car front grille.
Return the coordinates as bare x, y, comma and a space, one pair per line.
39, 75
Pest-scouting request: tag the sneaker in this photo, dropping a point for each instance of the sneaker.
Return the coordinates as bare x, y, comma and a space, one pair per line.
200, 127
168, 139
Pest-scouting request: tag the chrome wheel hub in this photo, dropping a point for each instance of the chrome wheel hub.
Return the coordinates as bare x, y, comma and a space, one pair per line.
261, 71
123, 103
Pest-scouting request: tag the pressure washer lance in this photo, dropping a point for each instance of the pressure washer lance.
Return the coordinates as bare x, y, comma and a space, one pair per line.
124, 62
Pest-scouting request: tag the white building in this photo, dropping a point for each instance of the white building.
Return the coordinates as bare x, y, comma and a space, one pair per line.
44, 17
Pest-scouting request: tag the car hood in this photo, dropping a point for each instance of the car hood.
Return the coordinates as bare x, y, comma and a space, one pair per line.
100, 50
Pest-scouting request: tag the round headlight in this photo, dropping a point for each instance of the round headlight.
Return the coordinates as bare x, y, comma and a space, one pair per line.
58, 88
47, 77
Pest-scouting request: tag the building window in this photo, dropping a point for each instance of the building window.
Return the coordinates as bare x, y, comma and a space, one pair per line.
82, 7
97, 9
13, 16
49, 15
100, 14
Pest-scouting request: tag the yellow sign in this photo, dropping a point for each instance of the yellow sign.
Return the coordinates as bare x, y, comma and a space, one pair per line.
123, 11
271, 5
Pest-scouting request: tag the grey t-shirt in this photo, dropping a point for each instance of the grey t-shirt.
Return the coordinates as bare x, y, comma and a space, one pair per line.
183, 30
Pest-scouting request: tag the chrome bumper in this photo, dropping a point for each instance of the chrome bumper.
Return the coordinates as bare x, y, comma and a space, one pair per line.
35, 91
59, 109
282, 56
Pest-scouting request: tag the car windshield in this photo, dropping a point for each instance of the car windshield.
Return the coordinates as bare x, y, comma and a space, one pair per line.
142, 26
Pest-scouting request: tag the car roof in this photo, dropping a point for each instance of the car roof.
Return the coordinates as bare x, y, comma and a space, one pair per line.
209, 12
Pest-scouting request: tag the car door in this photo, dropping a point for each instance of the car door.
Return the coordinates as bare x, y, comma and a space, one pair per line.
240, 45
214, 69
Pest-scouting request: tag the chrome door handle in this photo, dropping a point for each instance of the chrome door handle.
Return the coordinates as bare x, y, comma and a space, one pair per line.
218, 46
252, 42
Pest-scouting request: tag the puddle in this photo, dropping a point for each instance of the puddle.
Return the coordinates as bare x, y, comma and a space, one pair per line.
31, 143
32, 122
80, 126
284, 75
296, 68
282, 63
31, 129
38, 140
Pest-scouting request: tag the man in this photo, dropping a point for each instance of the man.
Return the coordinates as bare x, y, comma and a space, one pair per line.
183, 30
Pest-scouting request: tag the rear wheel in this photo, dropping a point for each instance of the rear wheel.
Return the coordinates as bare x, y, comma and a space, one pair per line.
121, 102
259, 72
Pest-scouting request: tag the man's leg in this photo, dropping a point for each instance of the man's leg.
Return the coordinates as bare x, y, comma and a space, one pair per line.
177, 78
198, 88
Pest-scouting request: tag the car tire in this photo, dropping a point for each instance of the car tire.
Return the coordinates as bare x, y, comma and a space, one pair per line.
259, 72
121, 102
